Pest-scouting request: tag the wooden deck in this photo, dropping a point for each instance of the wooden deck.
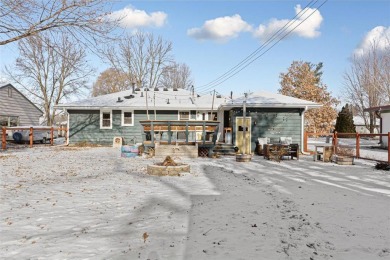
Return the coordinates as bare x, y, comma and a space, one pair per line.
172, 132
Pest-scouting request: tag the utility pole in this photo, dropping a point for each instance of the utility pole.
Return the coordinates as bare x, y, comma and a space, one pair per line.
244, 124
212, 105
147, 109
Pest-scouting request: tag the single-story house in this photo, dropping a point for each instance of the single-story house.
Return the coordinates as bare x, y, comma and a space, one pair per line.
361, 128
16, 109
383, 112
100, 119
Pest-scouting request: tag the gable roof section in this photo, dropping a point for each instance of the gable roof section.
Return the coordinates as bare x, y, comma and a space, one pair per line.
270, 100
10, 85
385, 108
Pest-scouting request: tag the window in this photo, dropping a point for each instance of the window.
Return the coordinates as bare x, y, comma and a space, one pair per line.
9, 121
193, 115
184, 115
212, 116
9, 92
127, 118
106, 119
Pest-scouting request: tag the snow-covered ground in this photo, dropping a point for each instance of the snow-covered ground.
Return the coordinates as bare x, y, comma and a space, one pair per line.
369, 148
89, 203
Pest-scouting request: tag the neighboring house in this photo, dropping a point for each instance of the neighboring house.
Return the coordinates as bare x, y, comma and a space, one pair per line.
361, 128
383, 112
16, 109
100, 119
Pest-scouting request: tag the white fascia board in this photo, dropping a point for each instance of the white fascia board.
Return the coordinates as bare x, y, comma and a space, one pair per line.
273, 106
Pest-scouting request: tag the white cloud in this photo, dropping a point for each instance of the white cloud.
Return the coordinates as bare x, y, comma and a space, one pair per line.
307, 29
134, 18
220, 29
379, 36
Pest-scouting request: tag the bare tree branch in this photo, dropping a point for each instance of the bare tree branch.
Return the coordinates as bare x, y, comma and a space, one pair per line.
86, 19
50, 70
367, 83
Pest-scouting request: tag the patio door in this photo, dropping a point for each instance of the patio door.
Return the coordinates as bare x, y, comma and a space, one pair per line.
240, 124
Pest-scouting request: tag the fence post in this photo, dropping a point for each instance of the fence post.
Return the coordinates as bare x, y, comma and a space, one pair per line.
66, 135
305, 142
51, 135
335, 142
357, 145
31, 137
388, 147
3, 139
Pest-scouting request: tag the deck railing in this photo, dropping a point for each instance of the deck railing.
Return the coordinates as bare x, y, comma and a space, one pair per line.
170, 127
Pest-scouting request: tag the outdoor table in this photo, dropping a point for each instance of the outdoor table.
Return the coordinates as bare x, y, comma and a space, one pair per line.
326, 151
276, 151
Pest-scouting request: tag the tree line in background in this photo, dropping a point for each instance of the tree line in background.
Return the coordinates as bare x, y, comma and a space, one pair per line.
54, 37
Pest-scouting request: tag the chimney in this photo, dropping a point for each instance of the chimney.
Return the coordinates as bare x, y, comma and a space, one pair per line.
133, 86
231, 94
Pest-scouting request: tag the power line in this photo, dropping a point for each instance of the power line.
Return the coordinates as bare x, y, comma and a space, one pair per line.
250, 59
298, 15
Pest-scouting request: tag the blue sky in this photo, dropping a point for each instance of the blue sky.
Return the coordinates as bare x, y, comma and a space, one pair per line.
331, 35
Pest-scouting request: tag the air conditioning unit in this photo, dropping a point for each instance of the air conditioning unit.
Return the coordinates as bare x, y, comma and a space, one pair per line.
117, 142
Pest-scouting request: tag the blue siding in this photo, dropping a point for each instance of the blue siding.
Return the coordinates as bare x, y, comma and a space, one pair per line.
272, 123
84, 126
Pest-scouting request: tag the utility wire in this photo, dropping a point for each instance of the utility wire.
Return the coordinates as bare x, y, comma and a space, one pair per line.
250, 59
277, 33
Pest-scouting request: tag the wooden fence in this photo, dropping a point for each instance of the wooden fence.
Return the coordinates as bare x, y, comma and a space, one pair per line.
31, 134
337, 135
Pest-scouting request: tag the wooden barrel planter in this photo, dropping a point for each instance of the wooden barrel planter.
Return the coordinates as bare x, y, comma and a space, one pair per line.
344, 160
243, 157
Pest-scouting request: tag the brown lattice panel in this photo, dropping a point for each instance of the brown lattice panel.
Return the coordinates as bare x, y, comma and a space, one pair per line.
151, 151
203, 152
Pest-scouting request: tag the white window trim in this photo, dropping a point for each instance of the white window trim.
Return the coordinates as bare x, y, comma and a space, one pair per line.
101, 119
179, 111
123, 118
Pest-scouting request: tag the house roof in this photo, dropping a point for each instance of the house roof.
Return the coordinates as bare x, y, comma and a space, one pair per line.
184, 100
180, 99
378, 108
267, 99
10, 85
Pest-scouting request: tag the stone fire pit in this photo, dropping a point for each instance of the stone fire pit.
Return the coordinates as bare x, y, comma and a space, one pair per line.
167, 168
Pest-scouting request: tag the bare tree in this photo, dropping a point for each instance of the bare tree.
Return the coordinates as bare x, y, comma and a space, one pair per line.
177, 75
85, 19
141, 56
367, 83
50, 71
110, 81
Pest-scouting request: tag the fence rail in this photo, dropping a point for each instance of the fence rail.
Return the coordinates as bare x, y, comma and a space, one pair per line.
31, 134
335, 141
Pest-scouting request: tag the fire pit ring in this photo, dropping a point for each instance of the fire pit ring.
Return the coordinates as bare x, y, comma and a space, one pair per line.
161, 170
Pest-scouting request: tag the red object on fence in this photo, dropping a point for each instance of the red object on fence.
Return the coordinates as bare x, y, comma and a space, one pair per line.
31, 137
